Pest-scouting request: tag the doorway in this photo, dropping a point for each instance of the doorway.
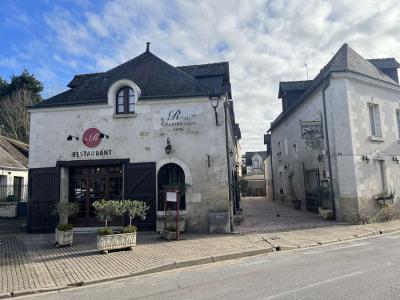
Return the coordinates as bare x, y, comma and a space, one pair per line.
88, 184
171, 175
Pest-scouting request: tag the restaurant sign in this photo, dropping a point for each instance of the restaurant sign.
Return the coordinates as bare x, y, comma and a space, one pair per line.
179, 119
91, 139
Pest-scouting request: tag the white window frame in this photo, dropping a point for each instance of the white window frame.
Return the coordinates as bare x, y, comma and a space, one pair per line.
374, 120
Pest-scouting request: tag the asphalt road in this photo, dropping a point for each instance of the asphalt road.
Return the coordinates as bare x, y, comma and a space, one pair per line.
361, 269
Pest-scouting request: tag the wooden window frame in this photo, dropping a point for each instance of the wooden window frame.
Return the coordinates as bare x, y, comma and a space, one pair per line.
126, 100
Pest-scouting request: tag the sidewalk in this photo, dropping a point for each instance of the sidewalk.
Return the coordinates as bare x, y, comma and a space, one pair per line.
29, 263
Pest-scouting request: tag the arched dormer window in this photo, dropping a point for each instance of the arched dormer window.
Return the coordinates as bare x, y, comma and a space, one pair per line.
126, 100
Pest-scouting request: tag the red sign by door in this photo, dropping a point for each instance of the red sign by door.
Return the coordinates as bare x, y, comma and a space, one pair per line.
91, 137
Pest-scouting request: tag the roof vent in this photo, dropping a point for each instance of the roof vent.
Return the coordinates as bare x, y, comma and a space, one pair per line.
148, 47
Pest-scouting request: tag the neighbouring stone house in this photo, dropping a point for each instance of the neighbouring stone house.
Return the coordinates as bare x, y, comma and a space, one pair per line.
13, 174
336, 143
254, 162
130, 132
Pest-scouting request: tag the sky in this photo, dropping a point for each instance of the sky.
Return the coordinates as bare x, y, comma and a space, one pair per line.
264, 41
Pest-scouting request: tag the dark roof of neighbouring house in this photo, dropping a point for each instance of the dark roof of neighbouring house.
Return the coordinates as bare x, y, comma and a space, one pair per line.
155, 78
288, 86
385, 63
249, 155
13, 153
345, 60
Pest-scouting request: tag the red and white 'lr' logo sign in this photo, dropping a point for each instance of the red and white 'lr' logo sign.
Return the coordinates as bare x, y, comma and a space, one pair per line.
91, 137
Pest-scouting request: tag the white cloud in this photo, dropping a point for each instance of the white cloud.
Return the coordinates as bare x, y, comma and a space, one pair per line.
264, 41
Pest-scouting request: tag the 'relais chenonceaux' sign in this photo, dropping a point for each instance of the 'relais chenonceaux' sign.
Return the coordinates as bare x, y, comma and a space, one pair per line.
180, 118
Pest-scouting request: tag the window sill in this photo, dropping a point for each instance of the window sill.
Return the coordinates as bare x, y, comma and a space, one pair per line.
376, 138
122, 116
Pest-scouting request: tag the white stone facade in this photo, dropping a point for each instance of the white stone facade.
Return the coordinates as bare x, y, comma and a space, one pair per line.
355, 182
198, 148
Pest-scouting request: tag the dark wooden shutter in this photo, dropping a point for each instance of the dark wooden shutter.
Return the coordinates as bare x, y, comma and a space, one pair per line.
44, 194
140, 184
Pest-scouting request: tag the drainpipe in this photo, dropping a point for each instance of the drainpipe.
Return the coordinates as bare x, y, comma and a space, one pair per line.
328, 152
228, 163
272, 172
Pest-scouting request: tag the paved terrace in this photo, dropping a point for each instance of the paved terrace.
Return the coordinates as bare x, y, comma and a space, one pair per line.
29, 263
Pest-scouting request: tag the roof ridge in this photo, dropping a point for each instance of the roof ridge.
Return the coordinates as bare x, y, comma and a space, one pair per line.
204, 65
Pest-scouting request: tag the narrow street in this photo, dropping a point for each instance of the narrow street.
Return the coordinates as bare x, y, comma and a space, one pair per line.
361, 269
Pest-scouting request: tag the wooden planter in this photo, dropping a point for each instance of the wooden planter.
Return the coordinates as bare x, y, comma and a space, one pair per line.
64, 237
160, 225
116, 241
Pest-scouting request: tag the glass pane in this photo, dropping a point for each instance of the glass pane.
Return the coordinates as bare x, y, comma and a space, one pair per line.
121, 93
131, 93
372, 119
120, 109
131, 107
120, 100
398, 122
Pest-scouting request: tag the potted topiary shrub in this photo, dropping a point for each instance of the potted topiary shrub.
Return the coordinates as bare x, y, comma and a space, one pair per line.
64, 230
106, 211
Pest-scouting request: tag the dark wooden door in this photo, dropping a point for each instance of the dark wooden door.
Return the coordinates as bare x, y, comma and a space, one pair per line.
89, 184
140, 184
43, 194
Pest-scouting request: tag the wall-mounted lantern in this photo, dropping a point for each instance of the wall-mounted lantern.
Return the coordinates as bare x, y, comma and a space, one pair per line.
395, 159
365, 158
70, 137
214, 99
168, 148
230, 153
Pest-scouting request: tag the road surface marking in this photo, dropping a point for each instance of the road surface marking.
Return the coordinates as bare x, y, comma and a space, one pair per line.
335, 248
314, 285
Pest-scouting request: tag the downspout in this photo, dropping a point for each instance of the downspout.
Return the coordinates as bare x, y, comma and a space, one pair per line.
228, 164
272, 171
328, 152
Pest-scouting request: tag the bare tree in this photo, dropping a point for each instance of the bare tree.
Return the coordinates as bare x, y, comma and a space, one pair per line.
14, 117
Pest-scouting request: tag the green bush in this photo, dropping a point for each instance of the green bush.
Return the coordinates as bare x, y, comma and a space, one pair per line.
106, 210
65, 227
135, 209
129, 229
105, 231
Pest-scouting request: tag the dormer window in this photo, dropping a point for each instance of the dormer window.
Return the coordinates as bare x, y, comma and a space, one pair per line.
126, 100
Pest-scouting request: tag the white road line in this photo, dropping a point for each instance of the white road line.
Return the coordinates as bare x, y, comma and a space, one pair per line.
314, 285
335, 248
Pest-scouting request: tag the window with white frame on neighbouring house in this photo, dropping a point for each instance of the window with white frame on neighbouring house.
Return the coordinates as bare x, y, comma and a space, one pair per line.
374, 119
398, 122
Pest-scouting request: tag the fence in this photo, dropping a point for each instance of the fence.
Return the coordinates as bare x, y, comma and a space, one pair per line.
9, 193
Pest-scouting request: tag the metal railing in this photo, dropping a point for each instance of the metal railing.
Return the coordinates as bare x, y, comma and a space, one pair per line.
9, 193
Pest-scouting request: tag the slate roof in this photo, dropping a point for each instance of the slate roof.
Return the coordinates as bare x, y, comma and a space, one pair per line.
385, 63
13, 153
345, 60
249, 155
287, 86
155, 78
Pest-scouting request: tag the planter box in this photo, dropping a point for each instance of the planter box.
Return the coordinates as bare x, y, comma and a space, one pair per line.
219, 222
160, 225
64, 237
116, 241
168, 235
8, 209
384, 201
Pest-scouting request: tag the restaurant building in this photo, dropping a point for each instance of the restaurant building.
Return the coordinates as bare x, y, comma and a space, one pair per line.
130, 132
